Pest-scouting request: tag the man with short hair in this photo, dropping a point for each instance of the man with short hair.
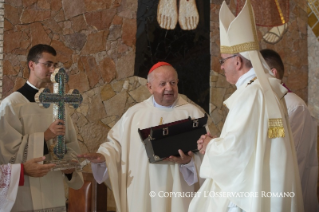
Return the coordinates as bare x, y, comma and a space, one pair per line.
132, 178
252, 165
26, 133
304, 131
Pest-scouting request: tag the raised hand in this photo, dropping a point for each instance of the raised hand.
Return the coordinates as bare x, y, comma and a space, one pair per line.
93, 157
183, 159
32, 167
55, 129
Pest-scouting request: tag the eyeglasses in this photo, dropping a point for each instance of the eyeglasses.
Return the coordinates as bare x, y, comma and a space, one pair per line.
221, 61
50, 64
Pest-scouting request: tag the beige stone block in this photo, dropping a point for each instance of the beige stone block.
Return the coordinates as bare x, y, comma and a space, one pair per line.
126, 85
94, 134
140, 94
109, 119
83, 109
129, 103
142, 81
211, 107
125, 65
220, 125
217, 96
115, 106
81, 121
96, 109
213, 129
214, 78
222, 82
111, 124
117, 85
107, 92
217, 116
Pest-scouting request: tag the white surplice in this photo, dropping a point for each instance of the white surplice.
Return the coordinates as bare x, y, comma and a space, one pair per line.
304, 131
9, 183
22, 138
131, 176
243, 167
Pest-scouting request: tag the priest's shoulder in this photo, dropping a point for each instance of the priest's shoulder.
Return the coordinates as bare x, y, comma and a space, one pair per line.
13, 99
293, 100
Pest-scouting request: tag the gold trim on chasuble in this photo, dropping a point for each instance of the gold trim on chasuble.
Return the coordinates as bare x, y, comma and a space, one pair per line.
275, 128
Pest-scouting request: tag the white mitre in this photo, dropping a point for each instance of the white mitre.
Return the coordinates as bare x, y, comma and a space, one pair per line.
239, 35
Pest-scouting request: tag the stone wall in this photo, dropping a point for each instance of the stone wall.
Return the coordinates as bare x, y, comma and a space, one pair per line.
95, 41
1, 43
313, 79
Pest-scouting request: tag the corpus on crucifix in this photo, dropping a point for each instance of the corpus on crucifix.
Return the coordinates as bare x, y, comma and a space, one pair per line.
63, 157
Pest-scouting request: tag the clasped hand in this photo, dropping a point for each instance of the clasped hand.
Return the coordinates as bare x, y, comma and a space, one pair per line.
203, 142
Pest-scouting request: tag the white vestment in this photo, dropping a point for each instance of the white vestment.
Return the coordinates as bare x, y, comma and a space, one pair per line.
131, 176
243, 166
9, 182
22, 138
304, 131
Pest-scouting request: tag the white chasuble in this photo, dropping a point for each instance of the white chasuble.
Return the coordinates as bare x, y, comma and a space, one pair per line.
246, 168
132, 177
22, 138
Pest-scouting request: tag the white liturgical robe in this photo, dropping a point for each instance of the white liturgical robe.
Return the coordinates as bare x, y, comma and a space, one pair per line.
245, 168
137, 184
22, 138
304, 131
9, 182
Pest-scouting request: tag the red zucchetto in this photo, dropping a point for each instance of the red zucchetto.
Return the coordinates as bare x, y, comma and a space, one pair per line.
159, 64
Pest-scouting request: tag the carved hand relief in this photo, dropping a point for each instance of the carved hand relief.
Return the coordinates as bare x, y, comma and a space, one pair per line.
187, 15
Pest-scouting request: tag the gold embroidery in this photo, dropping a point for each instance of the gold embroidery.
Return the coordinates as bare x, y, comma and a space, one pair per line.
275, 128
239, 48
161, 121
280, 12
251, 81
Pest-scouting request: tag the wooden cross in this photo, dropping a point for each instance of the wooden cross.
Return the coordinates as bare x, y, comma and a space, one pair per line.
59, 98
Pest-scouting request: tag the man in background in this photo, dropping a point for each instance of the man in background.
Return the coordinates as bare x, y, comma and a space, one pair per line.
26, 133
304, 132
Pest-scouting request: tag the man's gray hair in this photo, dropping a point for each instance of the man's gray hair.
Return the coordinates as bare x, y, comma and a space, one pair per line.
247, 63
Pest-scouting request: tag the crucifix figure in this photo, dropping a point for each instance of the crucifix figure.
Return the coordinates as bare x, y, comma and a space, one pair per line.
59, 98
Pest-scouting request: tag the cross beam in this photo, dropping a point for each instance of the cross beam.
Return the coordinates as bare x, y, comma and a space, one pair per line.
59, 98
